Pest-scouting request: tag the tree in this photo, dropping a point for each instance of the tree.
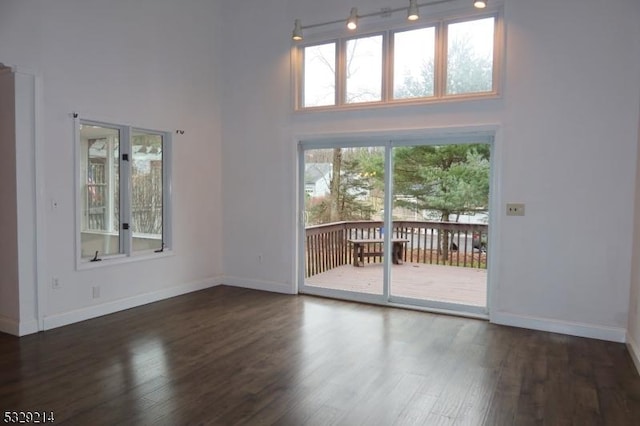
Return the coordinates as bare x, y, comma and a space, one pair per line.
449, 179
467, 72
349, 196
413, 87
336, 186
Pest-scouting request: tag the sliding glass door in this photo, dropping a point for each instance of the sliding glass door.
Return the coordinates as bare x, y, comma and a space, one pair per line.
440, 225
396, 221
344, 208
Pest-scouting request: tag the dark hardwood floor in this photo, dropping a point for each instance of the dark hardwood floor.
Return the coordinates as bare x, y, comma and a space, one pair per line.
234, 356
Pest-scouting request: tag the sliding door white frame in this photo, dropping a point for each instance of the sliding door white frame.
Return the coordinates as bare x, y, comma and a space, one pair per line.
389, 140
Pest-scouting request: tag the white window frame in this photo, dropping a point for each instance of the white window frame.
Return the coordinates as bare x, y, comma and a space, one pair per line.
126, 254
440, 23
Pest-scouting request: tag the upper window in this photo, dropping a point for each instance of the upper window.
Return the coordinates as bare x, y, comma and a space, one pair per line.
320, 75
413, 63
470, 56
440, 60
364, 69
123, 190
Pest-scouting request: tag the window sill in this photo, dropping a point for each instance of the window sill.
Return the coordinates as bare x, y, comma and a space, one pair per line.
83, 265
495, 95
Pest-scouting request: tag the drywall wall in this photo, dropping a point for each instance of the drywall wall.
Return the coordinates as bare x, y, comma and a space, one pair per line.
146, 63
567, 148
9, 294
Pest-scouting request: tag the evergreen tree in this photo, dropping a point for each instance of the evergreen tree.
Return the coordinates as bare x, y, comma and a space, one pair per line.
350, 196
449, 179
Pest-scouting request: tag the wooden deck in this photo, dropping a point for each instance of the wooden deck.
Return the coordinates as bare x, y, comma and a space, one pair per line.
441, 283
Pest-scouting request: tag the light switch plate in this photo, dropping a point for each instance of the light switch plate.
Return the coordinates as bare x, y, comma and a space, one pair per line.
515, 209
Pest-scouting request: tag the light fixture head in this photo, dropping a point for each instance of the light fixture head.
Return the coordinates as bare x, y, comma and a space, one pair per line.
480, 4
352, 22
412, 14
297, 31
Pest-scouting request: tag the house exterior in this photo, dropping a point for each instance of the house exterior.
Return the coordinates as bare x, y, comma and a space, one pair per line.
317, 179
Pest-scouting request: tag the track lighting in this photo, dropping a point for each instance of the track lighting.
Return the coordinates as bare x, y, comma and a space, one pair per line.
297, 31
352, 22
412, 14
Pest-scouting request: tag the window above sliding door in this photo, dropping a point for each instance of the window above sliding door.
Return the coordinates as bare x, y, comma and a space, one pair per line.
435, 61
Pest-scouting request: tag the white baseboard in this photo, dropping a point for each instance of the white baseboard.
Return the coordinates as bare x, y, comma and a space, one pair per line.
28, 327
634, 351
612, 334
17, 328
71, 317
274, 287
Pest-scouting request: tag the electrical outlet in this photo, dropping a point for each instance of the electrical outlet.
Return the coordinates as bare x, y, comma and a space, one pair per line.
515, 209
95, 291
55, 283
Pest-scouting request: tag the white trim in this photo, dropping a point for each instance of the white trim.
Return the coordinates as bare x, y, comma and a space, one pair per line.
442, 306
495, 201
28, 327
125, 185
77, 190
84, 264
297, 223
111, 120
16, 328
25, 108
345, 295
271, 286
442, 311
387, 218
634, 351
389, 138
592, 331
167, 191
40, 213
83, 314
322, 140
372, 299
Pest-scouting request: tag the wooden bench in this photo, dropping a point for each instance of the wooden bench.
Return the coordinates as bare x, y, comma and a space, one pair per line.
359, 254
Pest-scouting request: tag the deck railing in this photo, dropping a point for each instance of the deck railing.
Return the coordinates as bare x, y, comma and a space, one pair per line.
441, 243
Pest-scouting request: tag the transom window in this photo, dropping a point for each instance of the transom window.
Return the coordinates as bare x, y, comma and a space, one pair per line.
123, 197
433, 62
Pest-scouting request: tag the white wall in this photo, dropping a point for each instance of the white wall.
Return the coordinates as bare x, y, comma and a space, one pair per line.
570, 148
567, 148
147, 63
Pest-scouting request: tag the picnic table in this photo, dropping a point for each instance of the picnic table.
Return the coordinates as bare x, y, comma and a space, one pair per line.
359, 253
